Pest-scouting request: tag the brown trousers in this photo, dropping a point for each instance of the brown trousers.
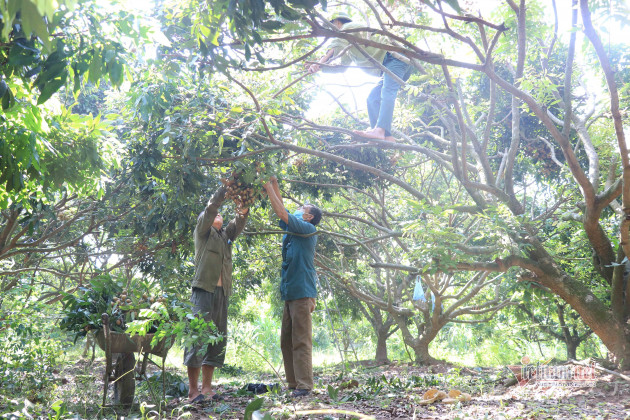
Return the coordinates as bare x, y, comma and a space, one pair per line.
296, 342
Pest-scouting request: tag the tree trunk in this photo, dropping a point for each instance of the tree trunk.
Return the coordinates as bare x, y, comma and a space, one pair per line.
421, 350
381, 345
572, 349
596, 315
614, 334
382, 329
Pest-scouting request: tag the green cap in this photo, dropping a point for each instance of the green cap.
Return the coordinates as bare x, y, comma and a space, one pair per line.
342, 16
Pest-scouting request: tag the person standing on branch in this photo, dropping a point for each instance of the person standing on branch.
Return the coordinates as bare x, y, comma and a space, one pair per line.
298, 289
382, 98
211, 289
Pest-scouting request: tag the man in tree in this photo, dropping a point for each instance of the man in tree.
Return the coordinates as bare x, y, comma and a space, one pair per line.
298, 289
382, 98
211, 289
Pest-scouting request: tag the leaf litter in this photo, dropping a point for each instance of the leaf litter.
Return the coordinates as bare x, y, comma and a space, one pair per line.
395, 391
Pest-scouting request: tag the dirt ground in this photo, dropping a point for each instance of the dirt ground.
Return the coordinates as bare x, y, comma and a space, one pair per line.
392, 391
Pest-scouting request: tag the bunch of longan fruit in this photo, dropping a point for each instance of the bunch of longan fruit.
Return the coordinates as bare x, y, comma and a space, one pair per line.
124, 305
122, 299
126, 300
243, 194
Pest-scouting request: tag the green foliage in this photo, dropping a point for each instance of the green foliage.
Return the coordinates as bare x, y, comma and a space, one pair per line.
46, 46
28, 354
383, 385
257, 343
253, 406
175, 386
211, 24
60, 411
176, 325
318, 171
333, 393
54, 62
129, 308
230, 370
64, 152
82, 312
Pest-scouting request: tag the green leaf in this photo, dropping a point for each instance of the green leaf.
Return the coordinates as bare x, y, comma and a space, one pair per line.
95, 69
271, 25
51, 72
290, 14
257, 37
454, 4
333, 392
203, 48
32, 72
128, 74
304, 4
77, 83
52, 87
108, 55
116, 73
248, 52
214, 40
33, 22
277, 4
205, 31
13, 7
22, 53
8, 100
253, 406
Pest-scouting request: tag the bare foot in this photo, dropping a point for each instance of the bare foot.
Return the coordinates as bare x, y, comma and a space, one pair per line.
390, 138
192, 396
207, 392
375, 133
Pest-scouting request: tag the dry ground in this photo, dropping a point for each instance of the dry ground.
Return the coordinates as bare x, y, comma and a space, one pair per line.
382, 392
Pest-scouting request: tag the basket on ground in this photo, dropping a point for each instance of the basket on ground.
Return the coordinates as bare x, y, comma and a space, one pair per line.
125, 343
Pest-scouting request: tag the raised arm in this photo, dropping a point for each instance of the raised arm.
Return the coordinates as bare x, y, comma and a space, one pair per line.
273, 191
236, 225
314, 68
204, 223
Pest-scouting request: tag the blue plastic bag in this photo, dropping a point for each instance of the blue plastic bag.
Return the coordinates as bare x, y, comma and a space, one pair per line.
418, 290
418, 294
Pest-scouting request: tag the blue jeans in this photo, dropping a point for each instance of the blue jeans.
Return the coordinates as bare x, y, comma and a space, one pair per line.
382, 98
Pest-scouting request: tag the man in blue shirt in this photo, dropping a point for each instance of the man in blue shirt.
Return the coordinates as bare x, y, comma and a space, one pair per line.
298, 289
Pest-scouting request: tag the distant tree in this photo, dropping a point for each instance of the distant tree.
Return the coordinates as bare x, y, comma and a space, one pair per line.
566, 330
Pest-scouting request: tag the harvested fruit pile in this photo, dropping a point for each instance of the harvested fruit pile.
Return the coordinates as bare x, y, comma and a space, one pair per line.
124, 299
453, 396
126, 307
